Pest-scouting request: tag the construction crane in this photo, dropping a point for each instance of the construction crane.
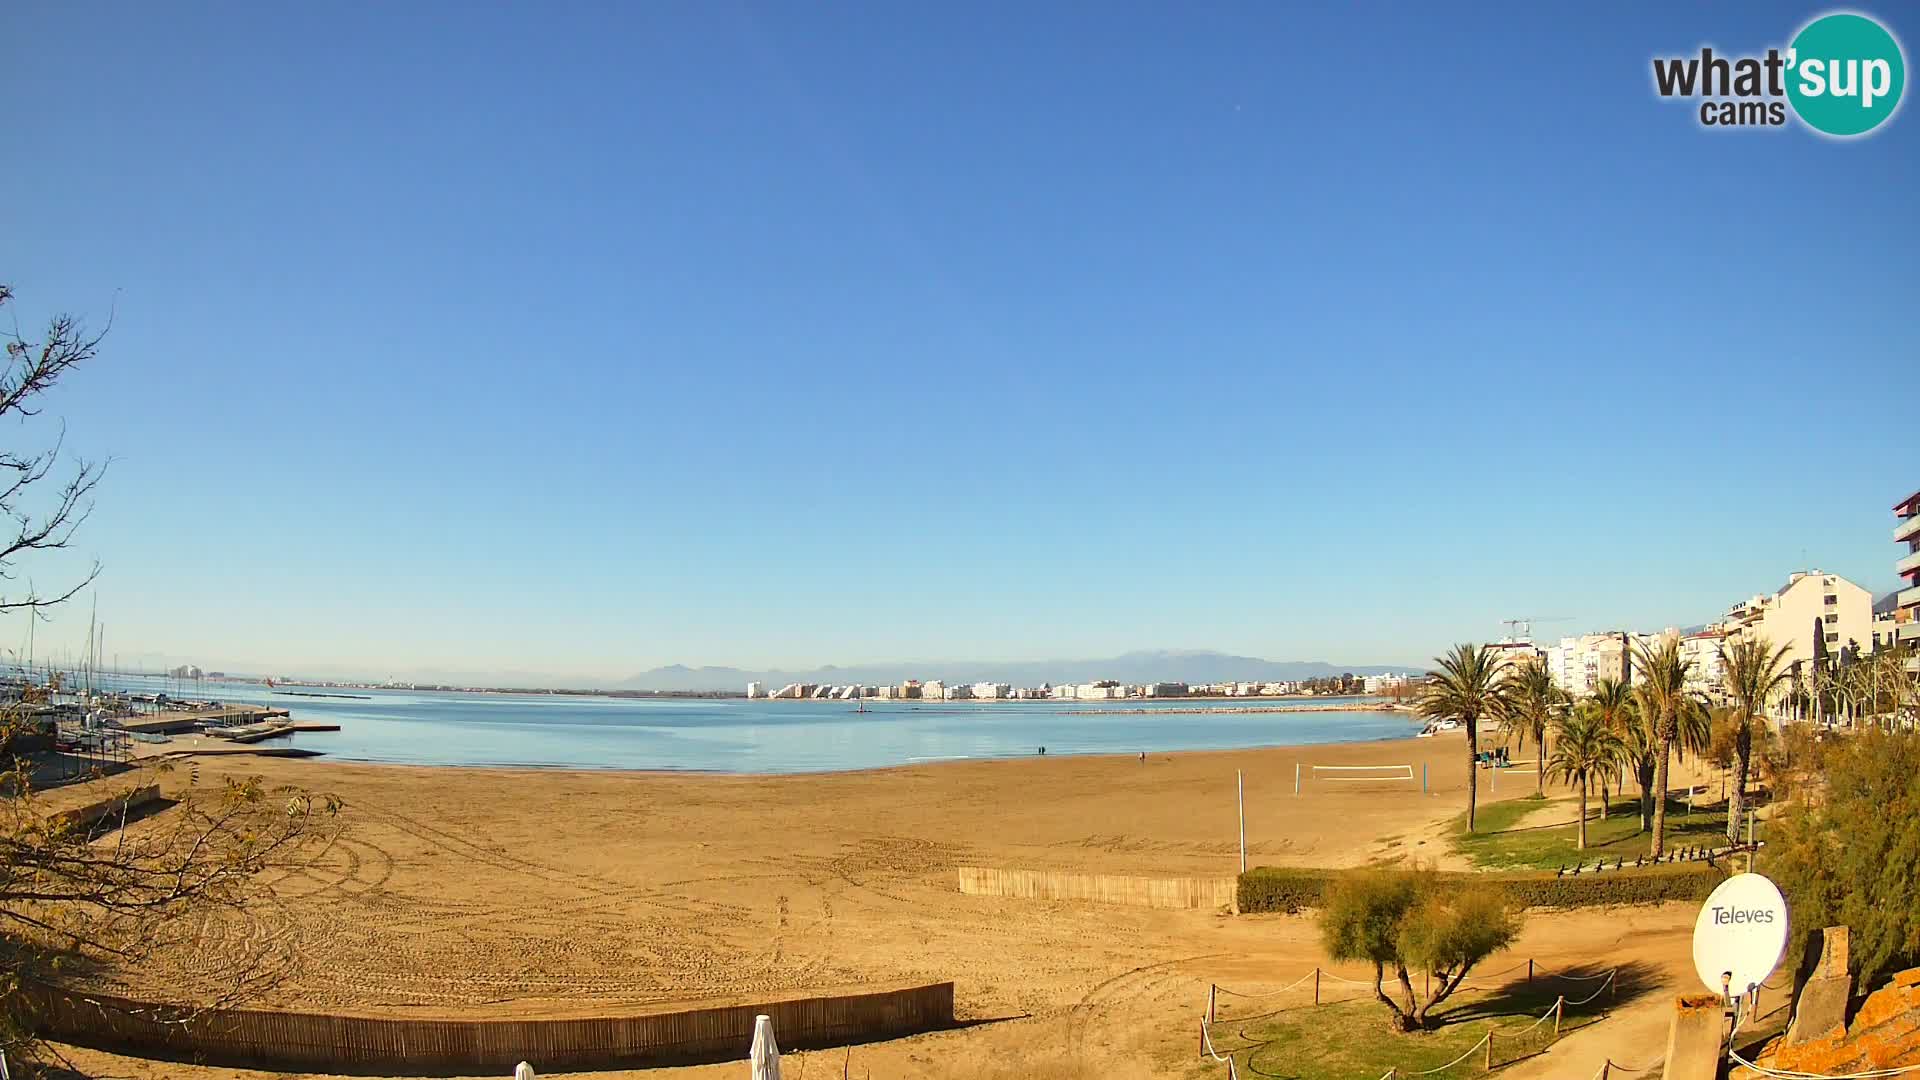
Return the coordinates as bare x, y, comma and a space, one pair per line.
1521, 629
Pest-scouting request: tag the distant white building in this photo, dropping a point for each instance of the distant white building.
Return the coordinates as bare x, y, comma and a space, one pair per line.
792, 691
1706, 669
1166, 689
1380, 684
755, 690
987, 691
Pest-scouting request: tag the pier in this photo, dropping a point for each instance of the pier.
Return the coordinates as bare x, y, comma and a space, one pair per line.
169, 723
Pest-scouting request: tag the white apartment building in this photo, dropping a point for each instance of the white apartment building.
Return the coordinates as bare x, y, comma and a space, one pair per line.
1379, 684
933, 690
1841, 611
988, 691
755, 690
1706, 669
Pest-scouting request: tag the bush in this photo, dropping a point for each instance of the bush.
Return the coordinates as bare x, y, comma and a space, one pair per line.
1853, 858
1271, 888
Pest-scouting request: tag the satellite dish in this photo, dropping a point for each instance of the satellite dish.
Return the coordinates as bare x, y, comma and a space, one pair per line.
1741, 934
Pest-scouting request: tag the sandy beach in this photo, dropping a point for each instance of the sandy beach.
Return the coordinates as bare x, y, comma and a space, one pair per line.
506, 892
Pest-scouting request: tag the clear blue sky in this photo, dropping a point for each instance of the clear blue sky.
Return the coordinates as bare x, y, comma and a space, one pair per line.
575, 342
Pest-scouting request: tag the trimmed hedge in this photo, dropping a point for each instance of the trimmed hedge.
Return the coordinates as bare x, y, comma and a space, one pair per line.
1292, 890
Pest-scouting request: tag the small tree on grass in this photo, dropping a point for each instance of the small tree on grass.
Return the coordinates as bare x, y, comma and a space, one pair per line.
1408, 921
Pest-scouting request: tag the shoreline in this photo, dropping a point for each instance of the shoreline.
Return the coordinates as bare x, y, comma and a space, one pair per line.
307, 755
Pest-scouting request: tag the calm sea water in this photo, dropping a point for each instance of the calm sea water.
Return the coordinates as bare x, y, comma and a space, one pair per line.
736, 735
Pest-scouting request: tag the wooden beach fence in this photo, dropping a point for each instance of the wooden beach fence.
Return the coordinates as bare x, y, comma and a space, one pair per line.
310, 1042
1210, 893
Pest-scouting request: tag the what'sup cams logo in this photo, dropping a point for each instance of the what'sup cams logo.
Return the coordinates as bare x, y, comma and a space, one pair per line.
1842, 76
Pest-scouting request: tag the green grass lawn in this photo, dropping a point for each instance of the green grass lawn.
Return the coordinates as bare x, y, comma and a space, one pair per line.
1501, 840
1352, 1039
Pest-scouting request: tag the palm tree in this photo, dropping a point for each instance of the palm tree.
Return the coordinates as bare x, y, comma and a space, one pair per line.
1585, 750
1530, 699
1612, 702
1466, 688
1663, 694
1753, 673
1640, 749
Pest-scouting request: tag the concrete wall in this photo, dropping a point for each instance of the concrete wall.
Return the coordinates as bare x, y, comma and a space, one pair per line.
322, 1043
1206, 893
112, 806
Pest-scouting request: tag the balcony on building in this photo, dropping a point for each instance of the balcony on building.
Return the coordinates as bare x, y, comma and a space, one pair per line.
1907, 530
1908, 566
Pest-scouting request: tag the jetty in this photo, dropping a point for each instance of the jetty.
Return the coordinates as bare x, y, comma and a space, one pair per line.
225, 716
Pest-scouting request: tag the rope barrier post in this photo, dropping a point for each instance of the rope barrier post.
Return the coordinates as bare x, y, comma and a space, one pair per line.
1203, 1038
1559, 1007
1529, 972
1296, 778
1316, 986
1212, 991
1605, 1066
1489, 1051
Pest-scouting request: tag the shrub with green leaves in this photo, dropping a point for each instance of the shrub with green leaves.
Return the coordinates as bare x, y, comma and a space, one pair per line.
1853, 858
1415, 920
1293, 890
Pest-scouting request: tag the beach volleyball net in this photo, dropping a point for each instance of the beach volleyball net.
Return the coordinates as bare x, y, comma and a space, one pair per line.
1361, 774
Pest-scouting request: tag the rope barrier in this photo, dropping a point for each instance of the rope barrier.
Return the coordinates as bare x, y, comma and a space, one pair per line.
1206, 1043
1455, 1061
1555, 1012
1601, 989
1479, 983
1274, 993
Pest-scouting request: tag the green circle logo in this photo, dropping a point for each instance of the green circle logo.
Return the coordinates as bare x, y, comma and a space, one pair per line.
1845, 74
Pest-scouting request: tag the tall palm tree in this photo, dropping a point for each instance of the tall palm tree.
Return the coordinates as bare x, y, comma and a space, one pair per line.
1530, 700
1466, 688
1585, 750
1641, 749
1753, 673
1663, 693
1612, 702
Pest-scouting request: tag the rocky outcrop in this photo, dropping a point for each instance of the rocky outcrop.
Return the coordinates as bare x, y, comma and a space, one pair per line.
1884, 1033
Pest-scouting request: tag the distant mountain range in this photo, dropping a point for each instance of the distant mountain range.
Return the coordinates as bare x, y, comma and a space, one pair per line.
1163, 665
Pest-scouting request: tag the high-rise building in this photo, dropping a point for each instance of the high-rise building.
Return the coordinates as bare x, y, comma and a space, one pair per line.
1906, 611
755, 690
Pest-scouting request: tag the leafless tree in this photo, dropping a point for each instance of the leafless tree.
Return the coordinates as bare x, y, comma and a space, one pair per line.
82, 893
43, 517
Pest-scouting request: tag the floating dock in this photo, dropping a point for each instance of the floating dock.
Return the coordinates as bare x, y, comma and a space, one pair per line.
169, 723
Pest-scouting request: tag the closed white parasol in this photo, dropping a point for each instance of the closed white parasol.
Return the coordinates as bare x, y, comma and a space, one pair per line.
766, 1052
523, 1071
